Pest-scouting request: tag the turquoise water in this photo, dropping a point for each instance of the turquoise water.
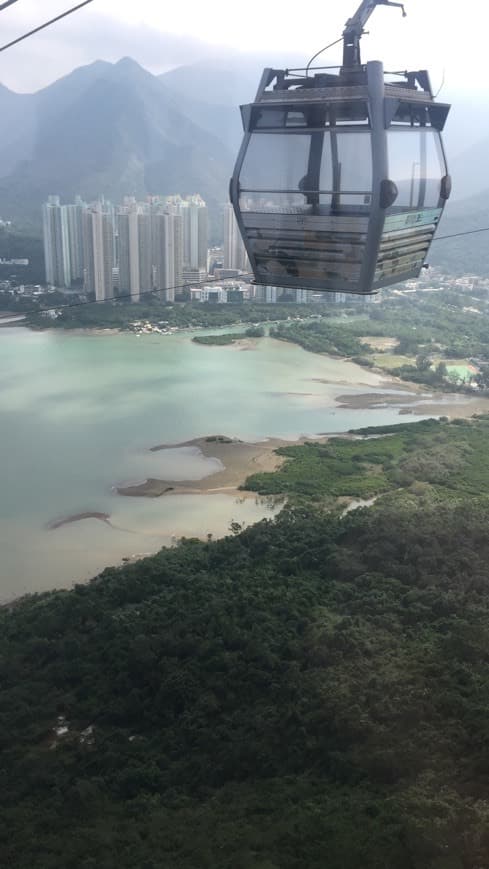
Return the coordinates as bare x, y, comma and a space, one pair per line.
79, 412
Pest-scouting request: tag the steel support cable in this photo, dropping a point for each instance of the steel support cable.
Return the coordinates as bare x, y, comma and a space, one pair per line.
139, 295
459, 234
7, 3
43, 26
184, 286
326, 48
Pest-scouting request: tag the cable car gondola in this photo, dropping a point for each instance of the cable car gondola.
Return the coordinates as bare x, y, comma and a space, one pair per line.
341, 179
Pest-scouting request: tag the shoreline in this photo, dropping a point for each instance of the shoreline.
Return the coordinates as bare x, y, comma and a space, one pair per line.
240, 459
246, 344
355, 389
148, 330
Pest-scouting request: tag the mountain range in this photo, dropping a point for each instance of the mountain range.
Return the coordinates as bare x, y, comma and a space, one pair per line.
116, 129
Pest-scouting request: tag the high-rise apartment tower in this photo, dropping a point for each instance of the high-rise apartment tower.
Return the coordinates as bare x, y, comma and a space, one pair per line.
235, 256
56, 243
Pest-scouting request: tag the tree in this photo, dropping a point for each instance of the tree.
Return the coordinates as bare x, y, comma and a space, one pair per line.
441, 371
423, 362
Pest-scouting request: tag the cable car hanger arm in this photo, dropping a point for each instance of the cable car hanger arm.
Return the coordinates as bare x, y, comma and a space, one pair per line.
355, 28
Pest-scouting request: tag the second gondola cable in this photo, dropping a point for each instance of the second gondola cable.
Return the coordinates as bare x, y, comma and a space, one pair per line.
244, 276
46, 24
137, 296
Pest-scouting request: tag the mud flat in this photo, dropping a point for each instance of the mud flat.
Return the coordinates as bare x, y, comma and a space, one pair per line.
78, 517
423, 404
453, 409
372, 400
240, 460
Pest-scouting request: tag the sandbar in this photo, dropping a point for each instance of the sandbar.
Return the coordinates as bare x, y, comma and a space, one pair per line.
451, 408
78, 517
424, 404
370, 400
240, 460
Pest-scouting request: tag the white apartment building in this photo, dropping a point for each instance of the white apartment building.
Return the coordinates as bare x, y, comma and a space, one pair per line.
56, 243
235, 256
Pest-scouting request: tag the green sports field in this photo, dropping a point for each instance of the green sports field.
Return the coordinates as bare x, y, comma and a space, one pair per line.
462, 371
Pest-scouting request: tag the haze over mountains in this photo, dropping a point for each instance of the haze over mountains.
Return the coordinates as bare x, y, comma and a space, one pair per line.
113, 129
116, 129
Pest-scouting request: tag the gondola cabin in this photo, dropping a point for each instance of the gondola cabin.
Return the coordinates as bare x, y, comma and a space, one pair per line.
341, 180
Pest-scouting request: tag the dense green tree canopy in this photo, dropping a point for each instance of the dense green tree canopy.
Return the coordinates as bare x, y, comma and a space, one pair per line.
309, 692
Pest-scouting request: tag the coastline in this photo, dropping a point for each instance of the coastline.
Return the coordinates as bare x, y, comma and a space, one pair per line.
240, 459
80, 545
452, 408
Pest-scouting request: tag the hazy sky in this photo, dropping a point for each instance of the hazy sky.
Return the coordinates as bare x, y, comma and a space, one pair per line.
443, 35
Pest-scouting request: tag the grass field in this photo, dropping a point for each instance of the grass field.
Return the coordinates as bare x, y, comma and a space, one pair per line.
457, 369
392, 360
462, 371
378, 343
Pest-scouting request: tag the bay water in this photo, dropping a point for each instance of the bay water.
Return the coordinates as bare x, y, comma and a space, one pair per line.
80, 412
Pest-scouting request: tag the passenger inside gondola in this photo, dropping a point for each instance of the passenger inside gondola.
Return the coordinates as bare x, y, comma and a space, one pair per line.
308, 199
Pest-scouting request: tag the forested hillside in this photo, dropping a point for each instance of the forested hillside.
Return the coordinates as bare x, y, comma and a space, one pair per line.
309, 692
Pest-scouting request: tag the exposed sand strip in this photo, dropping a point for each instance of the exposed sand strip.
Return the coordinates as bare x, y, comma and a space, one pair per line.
240, 460
77, 517
425, 404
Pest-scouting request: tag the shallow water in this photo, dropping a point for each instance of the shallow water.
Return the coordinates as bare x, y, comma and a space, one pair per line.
79, 412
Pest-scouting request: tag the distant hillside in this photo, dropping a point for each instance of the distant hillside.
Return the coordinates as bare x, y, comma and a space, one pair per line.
470, 170
18, 129
217, 83
468, 253
111, 129
115, 129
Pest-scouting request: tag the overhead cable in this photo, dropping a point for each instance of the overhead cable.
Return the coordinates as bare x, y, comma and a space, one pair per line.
7, 3
139, 295
208, 281
459, 234
43, 26
136, 296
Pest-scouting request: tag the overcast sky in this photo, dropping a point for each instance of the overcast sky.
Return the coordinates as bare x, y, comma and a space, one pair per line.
443, 35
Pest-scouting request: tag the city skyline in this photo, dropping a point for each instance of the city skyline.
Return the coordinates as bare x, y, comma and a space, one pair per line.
126, 249
157, 245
